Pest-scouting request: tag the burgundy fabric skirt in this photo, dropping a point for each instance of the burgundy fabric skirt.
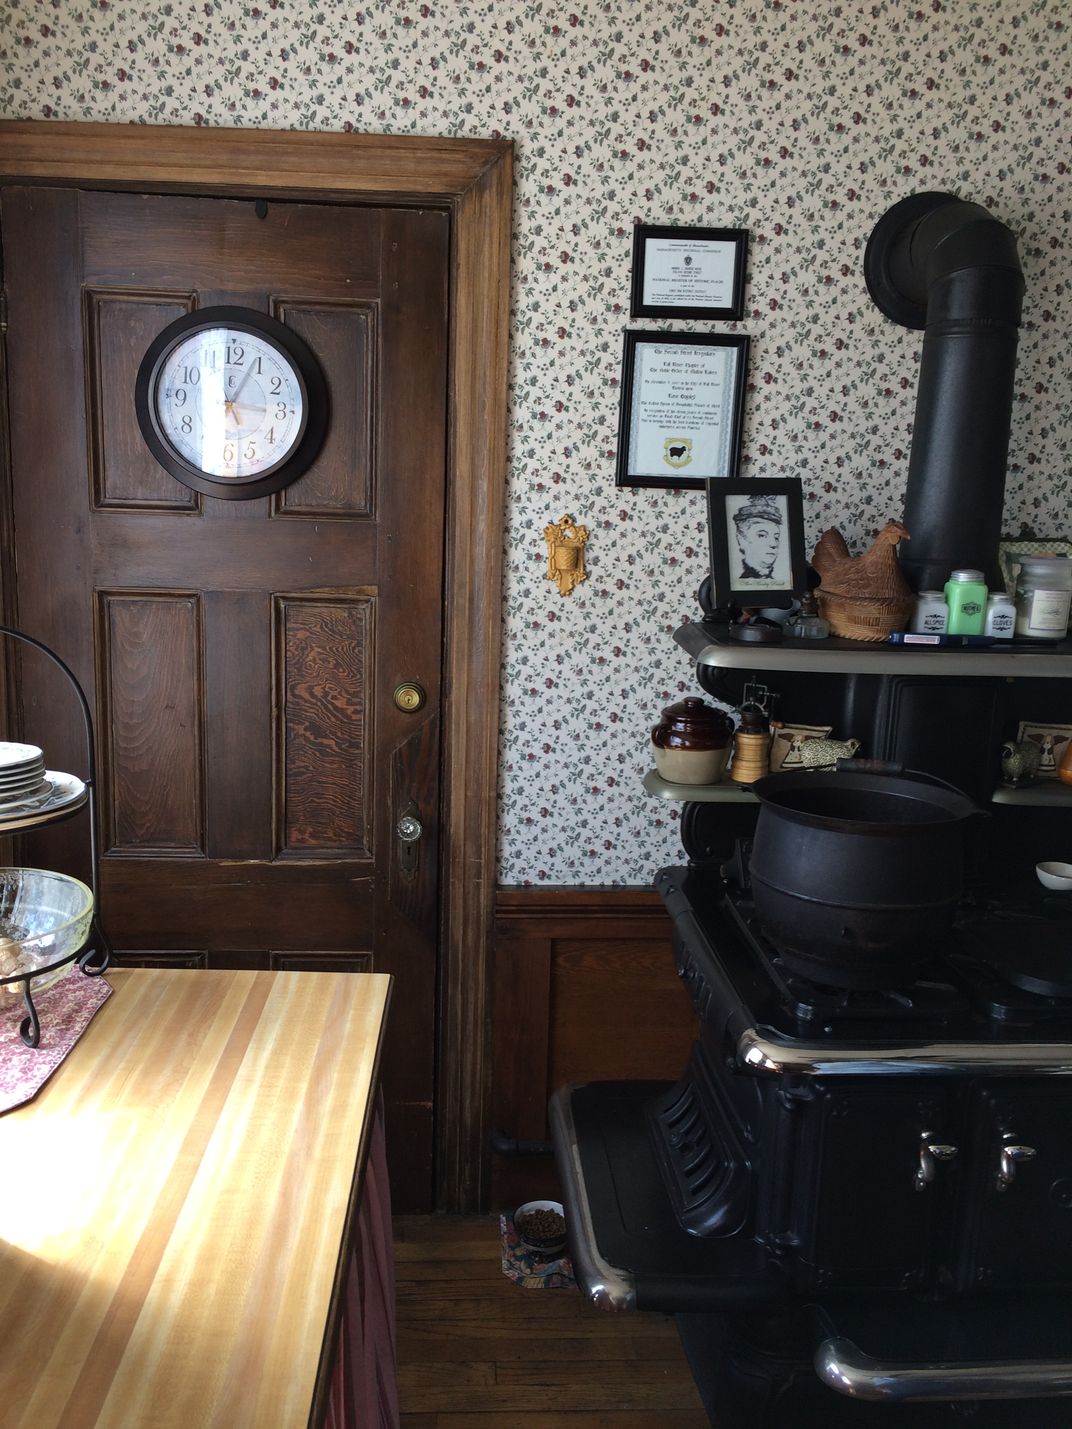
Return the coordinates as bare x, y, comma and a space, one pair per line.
364, 1386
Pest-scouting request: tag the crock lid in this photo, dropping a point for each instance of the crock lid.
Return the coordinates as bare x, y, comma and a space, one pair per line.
692, 720
695, 711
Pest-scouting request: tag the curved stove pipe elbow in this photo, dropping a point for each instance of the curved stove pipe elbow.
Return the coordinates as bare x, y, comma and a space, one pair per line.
951, 268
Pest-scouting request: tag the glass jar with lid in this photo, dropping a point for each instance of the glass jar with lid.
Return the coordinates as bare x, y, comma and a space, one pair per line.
931, 615
1043, 597
1000, 615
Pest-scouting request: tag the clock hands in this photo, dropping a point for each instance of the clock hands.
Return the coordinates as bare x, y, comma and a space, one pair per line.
241, 388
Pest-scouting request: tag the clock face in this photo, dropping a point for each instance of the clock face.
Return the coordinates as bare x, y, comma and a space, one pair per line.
231, 402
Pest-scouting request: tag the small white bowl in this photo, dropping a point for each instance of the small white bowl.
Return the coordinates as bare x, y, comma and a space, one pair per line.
542, 1245
1055, 875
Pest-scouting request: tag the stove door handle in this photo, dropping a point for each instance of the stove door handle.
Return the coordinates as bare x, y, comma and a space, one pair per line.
1010, 1155
932, 1152
843, 1366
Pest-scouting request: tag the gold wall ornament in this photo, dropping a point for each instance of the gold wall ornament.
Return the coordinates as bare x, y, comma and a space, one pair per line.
565, 553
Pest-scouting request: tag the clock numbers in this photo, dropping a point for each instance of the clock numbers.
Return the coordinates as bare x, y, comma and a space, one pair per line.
230, 403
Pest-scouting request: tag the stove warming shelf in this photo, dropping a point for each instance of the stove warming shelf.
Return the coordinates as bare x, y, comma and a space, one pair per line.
708, 644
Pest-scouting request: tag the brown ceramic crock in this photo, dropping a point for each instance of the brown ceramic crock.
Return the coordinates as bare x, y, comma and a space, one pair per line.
692, 742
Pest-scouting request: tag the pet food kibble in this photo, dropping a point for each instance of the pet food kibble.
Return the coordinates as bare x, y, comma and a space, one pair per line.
543, 1225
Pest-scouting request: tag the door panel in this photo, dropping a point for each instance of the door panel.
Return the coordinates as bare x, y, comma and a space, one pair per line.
118, 327
1016, 1225
149, 715
324, 659
241, 656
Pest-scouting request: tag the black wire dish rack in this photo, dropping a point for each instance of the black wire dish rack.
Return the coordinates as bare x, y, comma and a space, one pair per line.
94, 952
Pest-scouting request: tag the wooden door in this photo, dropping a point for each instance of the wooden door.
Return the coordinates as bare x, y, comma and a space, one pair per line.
241, 656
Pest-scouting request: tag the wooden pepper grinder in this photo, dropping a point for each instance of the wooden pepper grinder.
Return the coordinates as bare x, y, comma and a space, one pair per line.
751, 746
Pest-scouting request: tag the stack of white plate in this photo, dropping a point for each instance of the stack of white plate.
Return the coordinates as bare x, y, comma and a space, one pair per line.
23, 779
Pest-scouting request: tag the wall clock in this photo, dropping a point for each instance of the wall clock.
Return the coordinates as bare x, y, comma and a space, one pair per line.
231, 402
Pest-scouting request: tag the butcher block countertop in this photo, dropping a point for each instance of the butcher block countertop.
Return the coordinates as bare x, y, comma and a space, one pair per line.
174, 1203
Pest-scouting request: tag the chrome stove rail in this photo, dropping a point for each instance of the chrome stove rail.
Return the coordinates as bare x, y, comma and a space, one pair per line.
769, 1055
604, 1284
841, 1365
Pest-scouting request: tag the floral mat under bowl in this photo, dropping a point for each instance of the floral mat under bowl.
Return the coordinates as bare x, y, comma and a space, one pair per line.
65, 1011
534, 1272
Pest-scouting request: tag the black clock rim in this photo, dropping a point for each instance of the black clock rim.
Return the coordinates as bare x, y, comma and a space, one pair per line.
314, 403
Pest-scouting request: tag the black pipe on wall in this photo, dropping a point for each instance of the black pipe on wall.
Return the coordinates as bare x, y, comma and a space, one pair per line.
951, 268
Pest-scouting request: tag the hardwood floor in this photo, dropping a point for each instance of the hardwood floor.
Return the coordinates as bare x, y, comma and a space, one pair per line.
477, 1351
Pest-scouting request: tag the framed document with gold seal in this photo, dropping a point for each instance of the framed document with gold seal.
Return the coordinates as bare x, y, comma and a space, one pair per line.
681, 405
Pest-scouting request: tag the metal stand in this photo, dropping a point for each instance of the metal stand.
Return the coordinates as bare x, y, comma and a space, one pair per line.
94, 954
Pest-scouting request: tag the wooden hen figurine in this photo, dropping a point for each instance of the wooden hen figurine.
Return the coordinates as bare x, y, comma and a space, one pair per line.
863, 597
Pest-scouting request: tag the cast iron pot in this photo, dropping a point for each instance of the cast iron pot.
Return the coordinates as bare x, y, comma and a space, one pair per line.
856, 875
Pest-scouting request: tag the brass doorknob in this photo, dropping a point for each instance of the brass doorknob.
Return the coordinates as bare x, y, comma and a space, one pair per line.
409, 697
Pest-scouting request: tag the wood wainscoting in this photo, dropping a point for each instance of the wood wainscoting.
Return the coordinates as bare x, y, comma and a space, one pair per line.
585, 990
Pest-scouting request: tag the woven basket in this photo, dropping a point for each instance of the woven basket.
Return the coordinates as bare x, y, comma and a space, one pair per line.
864, 618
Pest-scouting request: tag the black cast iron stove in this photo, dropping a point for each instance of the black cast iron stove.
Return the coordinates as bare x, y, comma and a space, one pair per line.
858, 1203
850, 1195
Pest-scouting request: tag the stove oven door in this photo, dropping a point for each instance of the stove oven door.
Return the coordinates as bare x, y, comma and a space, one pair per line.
1016, 1214
872, 1185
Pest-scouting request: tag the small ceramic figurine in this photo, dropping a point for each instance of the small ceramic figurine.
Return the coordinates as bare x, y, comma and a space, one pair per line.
825, 753
1020, 759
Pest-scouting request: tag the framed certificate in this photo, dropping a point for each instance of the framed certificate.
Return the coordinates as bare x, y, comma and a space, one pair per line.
681, 405
688, 272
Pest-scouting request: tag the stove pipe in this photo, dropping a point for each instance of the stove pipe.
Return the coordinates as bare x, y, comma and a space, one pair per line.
938, 263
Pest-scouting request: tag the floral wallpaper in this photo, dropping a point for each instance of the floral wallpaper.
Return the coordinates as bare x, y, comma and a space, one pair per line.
799, 121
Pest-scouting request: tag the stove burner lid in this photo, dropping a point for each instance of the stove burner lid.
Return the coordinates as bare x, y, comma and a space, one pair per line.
1029, 953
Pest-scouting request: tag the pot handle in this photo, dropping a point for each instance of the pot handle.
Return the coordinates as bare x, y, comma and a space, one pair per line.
870, 766
892, 766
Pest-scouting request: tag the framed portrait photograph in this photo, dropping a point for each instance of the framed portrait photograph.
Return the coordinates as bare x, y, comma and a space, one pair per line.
681, 406
756, 530
688, 272
1051, 740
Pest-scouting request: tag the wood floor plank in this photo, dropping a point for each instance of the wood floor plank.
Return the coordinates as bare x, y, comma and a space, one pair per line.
443, 1230
459, 1251
433, 1300
563, 1419
585, 1419
440, 1343
475, 1272
605, 1385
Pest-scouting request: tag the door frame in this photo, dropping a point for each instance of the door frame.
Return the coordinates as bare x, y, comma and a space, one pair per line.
472, 180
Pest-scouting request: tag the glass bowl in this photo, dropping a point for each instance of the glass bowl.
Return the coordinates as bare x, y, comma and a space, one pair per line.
44, 917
